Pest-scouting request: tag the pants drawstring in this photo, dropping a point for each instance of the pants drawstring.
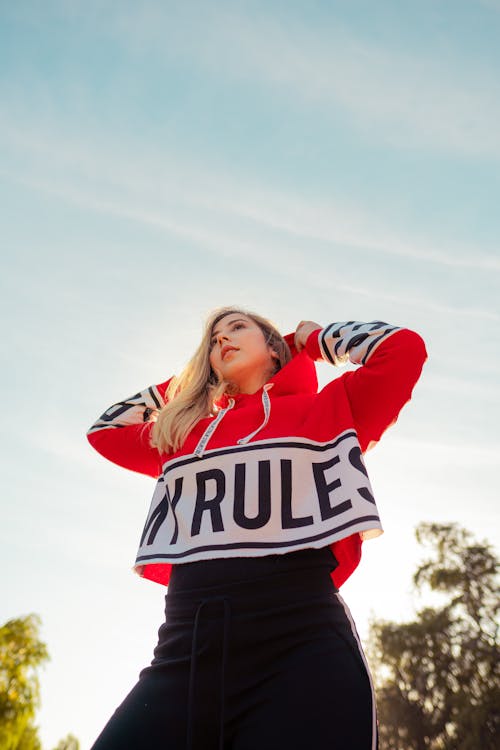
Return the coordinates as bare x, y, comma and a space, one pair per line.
192, 671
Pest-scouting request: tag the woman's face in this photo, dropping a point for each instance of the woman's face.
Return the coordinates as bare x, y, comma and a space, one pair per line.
239, 353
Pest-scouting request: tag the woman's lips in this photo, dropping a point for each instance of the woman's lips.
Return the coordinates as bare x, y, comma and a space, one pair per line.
226, 349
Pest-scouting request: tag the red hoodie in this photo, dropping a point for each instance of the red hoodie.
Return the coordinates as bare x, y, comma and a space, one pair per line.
275, 471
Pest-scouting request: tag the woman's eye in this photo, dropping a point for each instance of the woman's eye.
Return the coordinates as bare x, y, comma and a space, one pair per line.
234, 327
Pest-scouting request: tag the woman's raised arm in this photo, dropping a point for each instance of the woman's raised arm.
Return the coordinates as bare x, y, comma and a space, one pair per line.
392, 359
122, 433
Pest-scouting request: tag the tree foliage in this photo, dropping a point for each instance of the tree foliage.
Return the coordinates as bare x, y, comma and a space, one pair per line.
68, 743
437, 678
21, 653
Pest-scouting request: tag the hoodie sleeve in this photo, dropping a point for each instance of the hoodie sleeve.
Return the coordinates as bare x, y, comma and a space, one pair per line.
122, 433
392, 359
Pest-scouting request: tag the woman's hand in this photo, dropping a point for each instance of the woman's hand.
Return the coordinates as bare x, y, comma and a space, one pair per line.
304, 329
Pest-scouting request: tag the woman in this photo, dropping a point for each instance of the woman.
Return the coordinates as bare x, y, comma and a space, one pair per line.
259, 512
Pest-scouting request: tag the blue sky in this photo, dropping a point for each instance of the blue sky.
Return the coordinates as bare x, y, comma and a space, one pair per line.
309, 160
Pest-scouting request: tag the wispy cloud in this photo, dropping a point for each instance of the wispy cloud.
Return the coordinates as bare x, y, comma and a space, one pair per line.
268, 255
466, 388
267, 227
163, 189
430, 99
394, 97
493, 4
438, 454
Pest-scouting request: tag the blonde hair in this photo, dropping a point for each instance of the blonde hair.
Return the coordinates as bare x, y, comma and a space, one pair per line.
193, 394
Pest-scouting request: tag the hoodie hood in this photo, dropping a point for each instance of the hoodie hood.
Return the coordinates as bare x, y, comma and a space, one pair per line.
297, 376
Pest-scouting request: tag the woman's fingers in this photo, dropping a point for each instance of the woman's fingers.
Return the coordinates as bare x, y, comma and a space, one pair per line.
303, 331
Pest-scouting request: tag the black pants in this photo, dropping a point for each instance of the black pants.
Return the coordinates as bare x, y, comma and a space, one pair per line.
261, 655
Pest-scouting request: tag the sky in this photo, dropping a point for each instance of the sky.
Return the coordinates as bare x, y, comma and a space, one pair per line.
320, 160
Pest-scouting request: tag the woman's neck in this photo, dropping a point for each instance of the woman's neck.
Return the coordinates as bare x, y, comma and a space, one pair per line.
253, 383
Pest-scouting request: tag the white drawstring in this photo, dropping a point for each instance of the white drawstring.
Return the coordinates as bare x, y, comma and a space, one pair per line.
202, 444
266, 403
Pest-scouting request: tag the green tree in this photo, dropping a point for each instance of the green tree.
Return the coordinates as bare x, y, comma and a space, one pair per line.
21, 653
437, 678
68, 743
